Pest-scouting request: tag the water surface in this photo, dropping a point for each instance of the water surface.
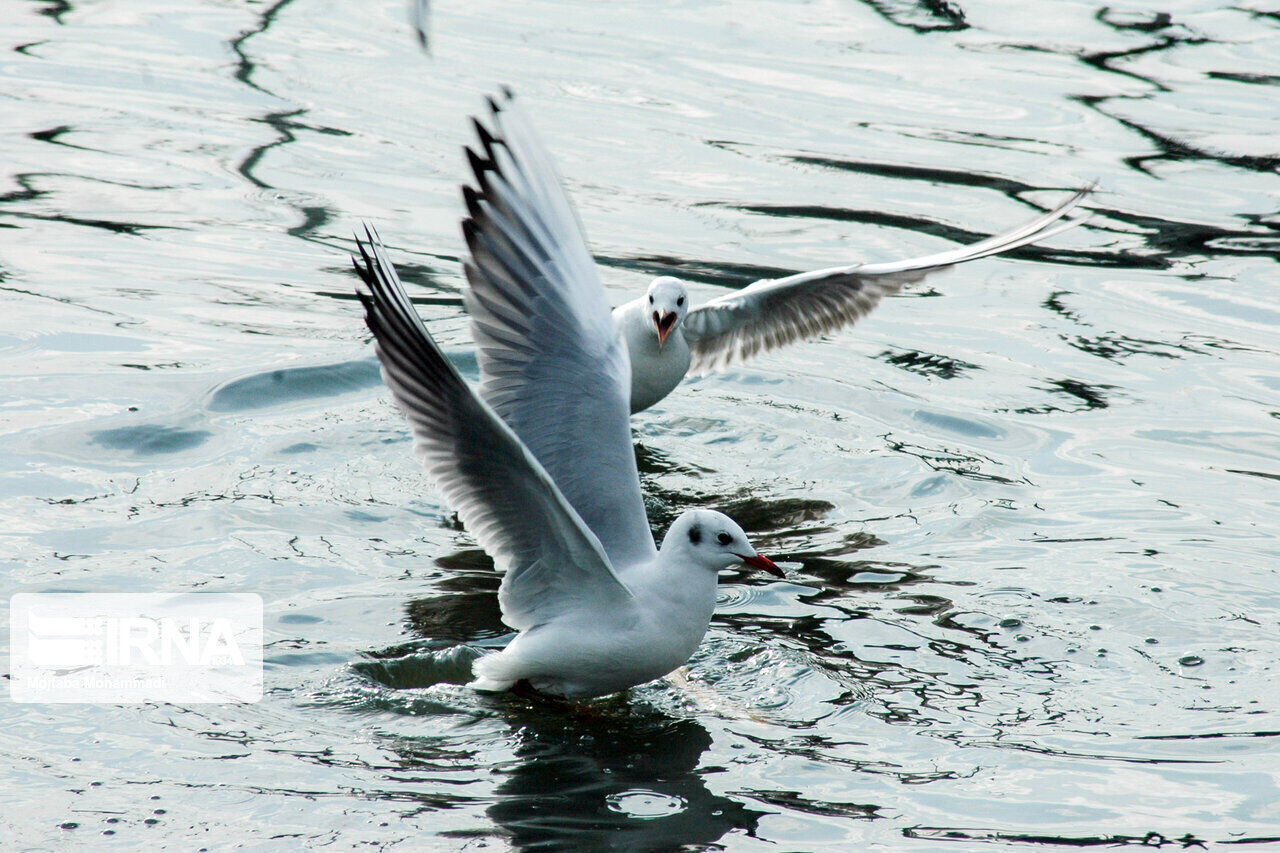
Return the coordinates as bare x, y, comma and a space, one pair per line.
1029, 509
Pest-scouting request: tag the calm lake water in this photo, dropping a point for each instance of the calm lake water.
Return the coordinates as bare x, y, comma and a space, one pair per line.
1029, 510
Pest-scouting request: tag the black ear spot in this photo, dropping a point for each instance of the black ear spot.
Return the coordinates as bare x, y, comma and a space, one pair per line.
724, 538
695, 534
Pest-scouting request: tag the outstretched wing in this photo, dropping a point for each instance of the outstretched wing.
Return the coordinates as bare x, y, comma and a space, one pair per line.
551, 363
553, 562
770, 314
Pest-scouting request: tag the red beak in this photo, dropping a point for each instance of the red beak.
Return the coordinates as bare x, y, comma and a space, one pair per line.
760, 561
664, 323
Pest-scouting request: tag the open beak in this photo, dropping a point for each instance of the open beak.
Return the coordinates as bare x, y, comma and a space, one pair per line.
760, 561
664, 323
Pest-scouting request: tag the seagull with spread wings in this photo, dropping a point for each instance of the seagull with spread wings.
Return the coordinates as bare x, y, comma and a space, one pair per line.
665, 336
540, 469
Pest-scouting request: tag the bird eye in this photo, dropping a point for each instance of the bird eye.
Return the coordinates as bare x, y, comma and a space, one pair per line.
724, 538
650, 300
680, 301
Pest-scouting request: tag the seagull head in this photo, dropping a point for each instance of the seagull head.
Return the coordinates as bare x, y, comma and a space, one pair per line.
667, 303
714, 541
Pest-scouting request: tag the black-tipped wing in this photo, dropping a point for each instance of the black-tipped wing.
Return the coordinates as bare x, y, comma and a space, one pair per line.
551, 363
553, 562
770, 314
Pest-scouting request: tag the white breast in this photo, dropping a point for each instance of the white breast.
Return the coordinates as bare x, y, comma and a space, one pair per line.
654, 372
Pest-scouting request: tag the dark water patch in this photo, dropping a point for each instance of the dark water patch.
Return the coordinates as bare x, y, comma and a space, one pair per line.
278, 121
573, 778
653, 462
1117, 347
1131, 19
1114, 346
350, 296
1240, 77
818, 748
1262, 839
847, 544
458, 616
1055, 303
299, 447
314, 217
54, 9
53, 136
1088, 397
29, 192
928, 174
150, 439
1172, 35
1178, 151
836, 578
961, 426
403, 669
795, 800
1211, 735
754, 514
290, 384
116, 227
779, 516
470, 570
933, 228
922, 16
1262, 474
285, 125
429, 277
1151, 839
690, 269
928, 364
924, 605
968, 465
1172, 240
245, 67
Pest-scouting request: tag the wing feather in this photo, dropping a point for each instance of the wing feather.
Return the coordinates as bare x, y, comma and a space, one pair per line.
553, 563
551, 363
769, 314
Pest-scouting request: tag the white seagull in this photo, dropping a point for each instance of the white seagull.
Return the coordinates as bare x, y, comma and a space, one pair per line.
666, 337
542, 473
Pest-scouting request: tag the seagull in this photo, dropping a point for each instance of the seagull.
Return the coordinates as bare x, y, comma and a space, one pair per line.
539, 467
539, 232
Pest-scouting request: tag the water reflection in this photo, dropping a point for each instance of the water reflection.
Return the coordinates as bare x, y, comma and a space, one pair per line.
694, 269
928, 363
54, 9
628, 780
923, 16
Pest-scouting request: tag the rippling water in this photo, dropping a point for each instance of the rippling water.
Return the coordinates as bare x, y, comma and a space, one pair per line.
1029, 511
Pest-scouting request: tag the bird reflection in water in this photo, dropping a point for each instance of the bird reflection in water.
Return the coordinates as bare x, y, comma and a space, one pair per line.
625, 780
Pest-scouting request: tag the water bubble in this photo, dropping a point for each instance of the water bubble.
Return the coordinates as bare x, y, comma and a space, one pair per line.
645, 805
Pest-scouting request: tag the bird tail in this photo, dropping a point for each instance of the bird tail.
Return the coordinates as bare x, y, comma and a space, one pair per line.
491, 674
